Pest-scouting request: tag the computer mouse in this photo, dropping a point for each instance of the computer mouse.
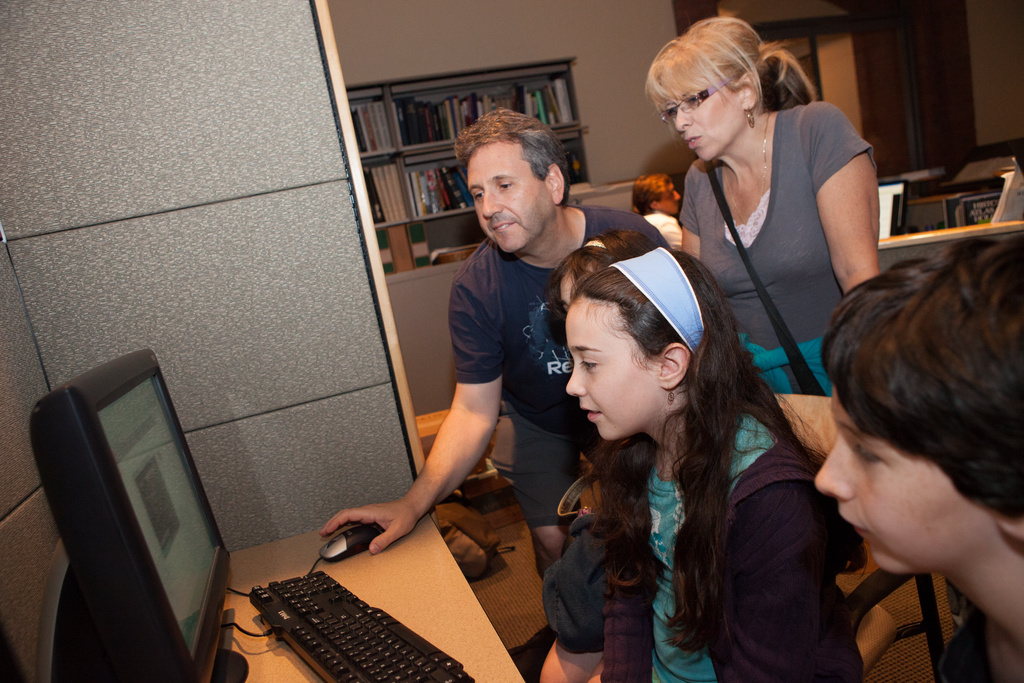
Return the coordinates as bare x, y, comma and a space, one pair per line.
350, 540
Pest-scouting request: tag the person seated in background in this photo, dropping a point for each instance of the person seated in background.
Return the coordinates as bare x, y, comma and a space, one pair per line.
706, 499
927, 361
655, 198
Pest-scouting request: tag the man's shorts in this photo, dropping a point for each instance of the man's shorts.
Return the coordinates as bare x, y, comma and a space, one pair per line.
541, 466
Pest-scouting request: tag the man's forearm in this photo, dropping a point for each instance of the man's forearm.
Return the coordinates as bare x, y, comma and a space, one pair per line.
461, 441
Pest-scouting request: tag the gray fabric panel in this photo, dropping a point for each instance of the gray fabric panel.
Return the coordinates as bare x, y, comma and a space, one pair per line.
251, 305
118, 109
28, 537
21, 385
284, 473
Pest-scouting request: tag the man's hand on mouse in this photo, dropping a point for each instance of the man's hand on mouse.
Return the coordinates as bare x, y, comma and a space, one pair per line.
397, 518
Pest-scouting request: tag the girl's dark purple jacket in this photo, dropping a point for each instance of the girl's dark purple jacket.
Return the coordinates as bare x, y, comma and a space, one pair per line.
784, 618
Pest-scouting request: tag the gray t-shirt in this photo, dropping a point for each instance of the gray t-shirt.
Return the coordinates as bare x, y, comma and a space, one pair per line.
790, 254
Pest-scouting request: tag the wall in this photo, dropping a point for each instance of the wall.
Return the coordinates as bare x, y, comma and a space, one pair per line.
173, 179
996, 30
614, 43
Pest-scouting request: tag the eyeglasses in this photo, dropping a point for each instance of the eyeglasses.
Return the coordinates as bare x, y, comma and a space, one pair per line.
688, 104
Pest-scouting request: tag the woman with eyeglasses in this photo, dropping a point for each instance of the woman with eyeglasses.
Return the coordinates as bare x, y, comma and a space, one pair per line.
798, 181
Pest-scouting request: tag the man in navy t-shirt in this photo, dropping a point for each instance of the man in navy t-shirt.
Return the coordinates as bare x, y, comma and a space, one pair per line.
507, 360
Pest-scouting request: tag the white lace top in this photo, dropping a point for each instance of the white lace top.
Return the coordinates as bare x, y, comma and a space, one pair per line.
748, 231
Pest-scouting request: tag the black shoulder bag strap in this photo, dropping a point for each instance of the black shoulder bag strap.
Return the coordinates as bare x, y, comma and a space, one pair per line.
804, 377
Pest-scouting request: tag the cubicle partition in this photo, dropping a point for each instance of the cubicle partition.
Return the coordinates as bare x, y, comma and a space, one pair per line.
175, 176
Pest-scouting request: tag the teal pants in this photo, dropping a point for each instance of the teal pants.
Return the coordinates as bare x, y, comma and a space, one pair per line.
772, 363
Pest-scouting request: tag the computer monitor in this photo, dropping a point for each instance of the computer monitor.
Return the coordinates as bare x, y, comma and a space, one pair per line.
145, 553
892, 203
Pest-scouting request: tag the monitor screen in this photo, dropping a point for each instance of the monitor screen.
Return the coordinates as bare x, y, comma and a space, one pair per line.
891, 209
140, 537
163, 499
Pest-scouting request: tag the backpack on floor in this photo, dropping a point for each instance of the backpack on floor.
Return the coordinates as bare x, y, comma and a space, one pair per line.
469, 536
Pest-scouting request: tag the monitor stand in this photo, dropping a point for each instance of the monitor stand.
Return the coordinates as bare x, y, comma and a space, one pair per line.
69, 646
229, 667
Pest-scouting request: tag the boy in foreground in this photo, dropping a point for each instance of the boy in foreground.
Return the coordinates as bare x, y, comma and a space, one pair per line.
927, 361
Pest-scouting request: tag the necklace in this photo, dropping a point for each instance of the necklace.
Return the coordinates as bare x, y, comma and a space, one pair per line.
764, 161
764, 154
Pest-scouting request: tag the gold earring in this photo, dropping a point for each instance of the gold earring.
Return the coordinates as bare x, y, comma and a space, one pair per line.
750, 117
671, 396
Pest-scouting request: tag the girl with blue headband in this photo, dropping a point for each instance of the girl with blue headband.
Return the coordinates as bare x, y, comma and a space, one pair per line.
720, 555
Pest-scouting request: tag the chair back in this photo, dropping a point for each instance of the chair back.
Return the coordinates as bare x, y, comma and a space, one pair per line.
811, 417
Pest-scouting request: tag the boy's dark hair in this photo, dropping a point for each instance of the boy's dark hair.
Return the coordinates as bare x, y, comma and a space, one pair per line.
929, 357
539, 144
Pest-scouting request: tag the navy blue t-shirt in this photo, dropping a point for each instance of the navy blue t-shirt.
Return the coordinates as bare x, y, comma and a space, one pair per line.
498, 320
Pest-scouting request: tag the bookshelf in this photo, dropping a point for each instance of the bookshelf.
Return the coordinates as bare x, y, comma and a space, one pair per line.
406, 131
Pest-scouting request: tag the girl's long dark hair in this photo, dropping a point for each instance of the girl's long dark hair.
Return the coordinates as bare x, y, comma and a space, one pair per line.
721, 385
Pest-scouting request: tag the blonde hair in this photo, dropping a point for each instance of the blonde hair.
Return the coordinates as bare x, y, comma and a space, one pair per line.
727, 49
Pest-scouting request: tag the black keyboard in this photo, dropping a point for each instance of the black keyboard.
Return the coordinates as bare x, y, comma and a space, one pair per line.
344, 639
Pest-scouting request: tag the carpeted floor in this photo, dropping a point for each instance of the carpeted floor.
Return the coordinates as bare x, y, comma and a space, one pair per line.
510, 593
510, 590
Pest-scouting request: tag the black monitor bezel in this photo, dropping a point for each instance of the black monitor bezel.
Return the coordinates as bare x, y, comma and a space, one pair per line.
104, 540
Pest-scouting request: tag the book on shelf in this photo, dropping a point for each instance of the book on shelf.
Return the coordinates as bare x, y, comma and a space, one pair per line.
422, 121
421, 201
458, 201
538, 106
1011, 200
444, 198
368, 126
401, 113
405, 108
376, 174
382, 131
433, 192
439, 189
395, 190
462, 183
551, 104
949, 207
389, 190
357, 124
976, 209
412, 195
376, 207
562, 96
370, 122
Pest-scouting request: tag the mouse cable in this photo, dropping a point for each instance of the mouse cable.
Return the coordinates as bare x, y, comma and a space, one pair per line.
237, 627
314, 566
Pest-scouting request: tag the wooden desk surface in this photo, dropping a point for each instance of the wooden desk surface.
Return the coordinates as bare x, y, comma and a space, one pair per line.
933, 236
415, 580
